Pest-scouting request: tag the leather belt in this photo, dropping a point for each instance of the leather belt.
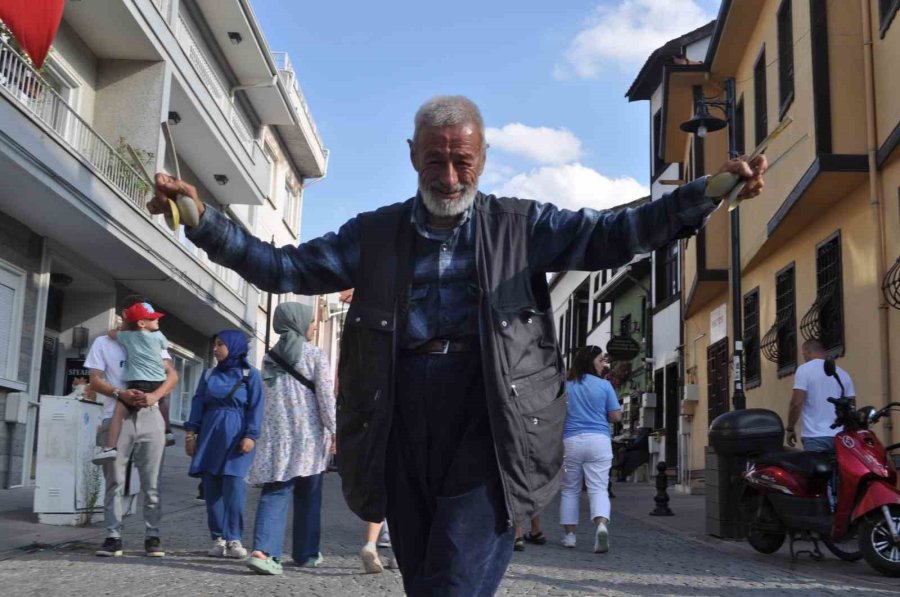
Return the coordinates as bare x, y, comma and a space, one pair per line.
443, 346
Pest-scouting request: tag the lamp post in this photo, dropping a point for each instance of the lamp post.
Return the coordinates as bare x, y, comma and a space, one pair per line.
700, 124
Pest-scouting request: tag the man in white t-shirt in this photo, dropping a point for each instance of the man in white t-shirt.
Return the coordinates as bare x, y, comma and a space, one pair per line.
809, 402
142, 435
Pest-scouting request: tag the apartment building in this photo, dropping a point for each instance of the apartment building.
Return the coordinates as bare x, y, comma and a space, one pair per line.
815, 247
75, 237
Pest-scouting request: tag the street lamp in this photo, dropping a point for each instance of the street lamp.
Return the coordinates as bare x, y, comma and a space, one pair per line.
700, 124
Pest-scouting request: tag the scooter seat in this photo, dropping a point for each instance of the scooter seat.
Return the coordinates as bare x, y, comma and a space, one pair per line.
807, 464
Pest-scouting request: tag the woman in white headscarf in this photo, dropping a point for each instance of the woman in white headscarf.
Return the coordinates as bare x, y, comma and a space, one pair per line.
296, 440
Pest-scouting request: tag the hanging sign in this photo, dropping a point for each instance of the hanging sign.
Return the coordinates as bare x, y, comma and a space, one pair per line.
622, 348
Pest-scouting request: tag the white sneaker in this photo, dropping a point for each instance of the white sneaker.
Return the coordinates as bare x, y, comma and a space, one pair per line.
371, 561
105, 455
601, 539
569, 540
218, 548
234, 549
384, 538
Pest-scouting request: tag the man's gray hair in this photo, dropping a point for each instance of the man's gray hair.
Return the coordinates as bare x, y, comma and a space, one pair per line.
449, 110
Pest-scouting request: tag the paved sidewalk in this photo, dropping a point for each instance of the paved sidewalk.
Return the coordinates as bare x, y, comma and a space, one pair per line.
649, 556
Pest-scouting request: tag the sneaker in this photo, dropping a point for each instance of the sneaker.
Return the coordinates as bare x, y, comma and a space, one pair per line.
270, 566
313, 562
371, 561
384, 537
105, 455
601, 539
393, 564
170, 438
569, 540
218, 548
153, 547
234, 549
111, 547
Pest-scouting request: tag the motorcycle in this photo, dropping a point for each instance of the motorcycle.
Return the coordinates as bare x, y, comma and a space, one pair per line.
786, 494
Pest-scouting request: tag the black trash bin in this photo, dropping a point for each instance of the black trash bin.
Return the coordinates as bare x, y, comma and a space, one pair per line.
733, 437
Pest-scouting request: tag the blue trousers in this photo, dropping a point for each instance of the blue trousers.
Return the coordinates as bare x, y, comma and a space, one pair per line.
271, 516
448, 520
224, 505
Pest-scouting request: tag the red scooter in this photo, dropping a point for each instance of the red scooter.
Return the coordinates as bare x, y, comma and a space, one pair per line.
786, 494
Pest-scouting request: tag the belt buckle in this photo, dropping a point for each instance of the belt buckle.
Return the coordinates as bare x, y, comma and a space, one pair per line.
445, 348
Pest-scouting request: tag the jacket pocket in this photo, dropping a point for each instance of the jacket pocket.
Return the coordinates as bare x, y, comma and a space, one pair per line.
540, 399
527, 339
364, 370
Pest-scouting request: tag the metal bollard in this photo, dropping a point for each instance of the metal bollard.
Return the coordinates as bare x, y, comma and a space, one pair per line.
662, 496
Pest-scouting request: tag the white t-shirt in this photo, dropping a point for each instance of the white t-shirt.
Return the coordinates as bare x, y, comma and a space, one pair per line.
817, 414
108, 356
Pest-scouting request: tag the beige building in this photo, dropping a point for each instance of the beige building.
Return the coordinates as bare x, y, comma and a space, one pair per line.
817, 243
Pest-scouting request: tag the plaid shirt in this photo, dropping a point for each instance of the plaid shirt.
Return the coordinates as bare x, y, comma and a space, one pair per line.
443, 292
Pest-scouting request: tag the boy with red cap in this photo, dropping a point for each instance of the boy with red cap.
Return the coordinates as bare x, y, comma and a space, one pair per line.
144, 369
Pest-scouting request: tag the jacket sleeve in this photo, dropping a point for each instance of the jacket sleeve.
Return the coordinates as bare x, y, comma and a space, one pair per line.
196, 417
590, 240
325, 392
255, 406
322, 265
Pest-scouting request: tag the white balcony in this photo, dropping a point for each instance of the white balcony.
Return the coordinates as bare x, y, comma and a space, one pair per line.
302, 139
62, 179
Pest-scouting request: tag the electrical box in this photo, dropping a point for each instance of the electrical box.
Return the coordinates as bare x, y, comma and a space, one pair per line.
648, 418
691, 392
648, 400
16, 408
68, 486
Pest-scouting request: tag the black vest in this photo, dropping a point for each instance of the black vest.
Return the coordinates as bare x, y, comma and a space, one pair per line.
522, 367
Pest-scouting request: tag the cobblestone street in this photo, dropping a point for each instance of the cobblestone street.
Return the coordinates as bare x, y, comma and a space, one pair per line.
648, 557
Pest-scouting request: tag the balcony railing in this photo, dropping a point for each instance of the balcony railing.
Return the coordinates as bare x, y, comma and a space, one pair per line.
289, 76
214, 84
29, 90
165, 9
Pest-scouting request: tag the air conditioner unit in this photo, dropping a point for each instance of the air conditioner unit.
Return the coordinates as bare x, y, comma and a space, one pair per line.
691, 392
648, 400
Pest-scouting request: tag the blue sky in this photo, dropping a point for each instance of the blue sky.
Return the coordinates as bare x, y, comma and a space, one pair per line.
549, 77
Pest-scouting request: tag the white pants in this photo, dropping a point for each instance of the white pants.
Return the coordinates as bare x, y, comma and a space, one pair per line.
588, 457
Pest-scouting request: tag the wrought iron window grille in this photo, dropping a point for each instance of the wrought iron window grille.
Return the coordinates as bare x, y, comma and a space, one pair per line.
891, 285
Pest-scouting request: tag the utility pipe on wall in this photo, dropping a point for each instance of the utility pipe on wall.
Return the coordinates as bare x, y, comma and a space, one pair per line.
878, 215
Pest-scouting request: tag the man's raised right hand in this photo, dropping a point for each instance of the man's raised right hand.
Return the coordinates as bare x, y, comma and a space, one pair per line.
169, 187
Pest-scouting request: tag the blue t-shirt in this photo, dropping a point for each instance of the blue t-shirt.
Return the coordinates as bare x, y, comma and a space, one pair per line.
589, 402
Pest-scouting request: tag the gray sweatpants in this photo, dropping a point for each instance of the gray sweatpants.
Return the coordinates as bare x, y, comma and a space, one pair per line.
143, 436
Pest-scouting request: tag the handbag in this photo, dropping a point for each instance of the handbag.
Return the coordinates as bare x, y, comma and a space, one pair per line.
290, 369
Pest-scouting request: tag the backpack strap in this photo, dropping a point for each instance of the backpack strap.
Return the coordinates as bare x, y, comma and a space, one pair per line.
290, 369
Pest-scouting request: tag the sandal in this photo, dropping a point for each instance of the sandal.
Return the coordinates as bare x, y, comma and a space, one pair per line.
270, 566
537, 539
519, 545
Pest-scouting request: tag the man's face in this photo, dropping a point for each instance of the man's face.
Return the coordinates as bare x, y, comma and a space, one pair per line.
449, 161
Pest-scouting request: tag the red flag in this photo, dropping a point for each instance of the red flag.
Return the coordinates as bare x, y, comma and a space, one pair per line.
33, 23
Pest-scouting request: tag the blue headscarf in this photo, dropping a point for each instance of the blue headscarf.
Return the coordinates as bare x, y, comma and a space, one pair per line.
236, 342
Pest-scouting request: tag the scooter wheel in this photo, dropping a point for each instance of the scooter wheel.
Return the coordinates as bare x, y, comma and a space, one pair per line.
878, 548
760, 513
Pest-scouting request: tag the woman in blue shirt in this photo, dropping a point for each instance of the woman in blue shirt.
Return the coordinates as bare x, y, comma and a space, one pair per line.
226, 414
593, 405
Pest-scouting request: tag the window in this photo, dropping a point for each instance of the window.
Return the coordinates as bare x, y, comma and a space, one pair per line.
829, 295
761, 117
625, 325
12, 296
752, 363
785, 57
698, 157
887, 10
717, 366
658, 163
786, 320
291, 207
189, 370
666, 273
739, 134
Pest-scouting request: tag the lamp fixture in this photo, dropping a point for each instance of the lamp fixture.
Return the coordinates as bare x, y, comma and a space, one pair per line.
702, 121
221, 179
79, 337
60, 280
174, 118
235, 37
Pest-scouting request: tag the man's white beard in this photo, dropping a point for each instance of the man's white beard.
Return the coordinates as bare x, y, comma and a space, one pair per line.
444, 208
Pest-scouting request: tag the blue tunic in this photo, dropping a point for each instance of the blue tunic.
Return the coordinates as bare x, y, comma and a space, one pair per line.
221, 424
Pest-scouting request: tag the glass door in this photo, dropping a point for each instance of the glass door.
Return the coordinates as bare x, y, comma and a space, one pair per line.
189, 370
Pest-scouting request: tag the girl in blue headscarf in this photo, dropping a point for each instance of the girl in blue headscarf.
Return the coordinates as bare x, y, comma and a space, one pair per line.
226, 414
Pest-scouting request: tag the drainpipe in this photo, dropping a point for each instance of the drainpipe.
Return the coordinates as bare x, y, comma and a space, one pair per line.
877, 206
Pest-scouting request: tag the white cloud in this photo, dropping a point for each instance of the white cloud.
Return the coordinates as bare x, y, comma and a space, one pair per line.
540, 144
573, 186
625, 34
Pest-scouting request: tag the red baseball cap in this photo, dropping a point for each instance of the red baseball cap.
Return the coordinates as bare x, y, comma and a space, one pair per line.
139, 311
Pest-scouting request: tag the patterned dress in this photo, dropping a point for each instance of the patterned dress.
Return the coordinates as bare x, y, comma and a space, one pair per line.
297, 424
